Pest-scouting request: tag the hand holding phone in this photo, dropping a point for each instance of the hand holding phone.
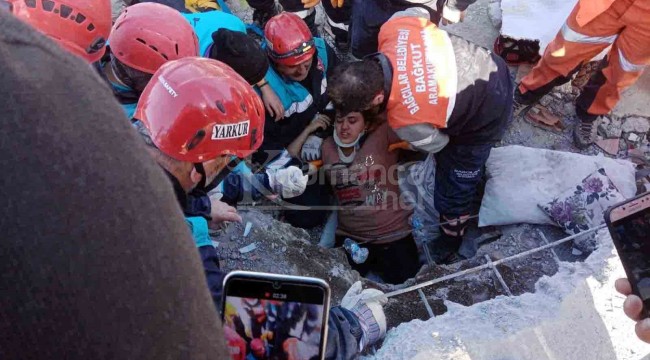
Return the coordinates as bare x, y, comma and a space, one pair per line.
633, 306
629, 225
275, 316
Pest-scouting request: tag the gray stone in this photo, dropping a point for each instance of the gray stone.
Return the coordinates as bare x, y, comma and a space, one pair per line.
610, 129
569, 109
546, 100
633, 137
636, 124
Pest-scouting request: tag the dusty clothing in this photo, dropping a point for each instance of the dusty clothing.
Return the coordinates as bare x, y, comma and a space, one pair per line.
367, 189
590, 28
444, 82
367, 17
95, 252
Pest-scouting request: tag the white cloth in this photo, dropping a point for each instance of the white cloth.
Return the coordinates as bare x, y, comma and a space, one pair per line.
520, 177
534, 19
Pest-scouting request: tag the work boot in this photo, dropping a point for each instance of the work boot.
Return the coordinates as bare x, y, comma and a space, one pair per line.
584, 133
444, 249
262, 16
519, 106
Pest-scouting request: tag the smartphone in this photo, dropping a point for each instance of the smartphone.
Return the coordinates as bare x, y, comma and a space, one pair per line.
269, 316
629, 225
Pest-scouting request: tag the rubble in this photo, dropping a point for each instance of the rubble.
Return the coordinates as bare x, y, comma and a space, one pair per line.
573, 312
609, 146
636, 124
472, 314
610, 128
276, 247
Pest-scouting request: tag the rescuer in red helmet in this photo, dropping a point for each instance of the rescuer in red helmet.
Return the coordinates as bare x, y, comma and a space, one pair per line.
79, 26
300, 64
144, 37
195, 115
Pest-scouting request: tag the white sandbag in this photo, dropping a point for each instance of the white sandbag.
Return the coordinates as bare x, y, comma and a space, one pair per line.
520, 177
534, 19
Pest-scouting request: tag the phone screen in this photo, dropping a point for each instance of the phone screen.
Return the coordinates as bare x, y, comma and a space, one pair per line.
274, 320
633, 242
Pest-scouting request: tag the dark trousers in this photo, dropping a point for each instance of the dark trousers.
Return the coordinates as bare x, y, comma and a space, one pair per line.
395, 262
367, 18
459, 169
287, 5
338, 18
304, 217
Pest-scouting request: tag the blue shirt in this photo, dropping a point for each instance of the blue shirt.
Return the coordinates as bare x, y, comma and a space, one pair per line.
206, 23
294, 96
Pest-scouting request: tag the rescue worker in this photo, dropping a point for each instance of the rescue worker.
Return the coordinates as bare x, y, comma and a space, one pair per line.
146, 295
338, 18
83, 30
300, 64
365, 17
144, 37
193, 116
223, 37
94, 229
264, 10
443, 95
591, 27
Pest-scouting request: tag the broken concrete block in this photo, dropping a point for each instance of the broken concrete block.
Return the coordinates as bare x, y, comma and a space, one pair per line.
546, 100
609, 146
636, 124
610, 128
637, 156
633, 137
569, 109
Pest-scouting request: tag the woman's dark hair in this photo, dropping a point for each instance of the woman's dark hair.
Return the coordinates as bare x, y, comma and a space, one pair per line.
353, 86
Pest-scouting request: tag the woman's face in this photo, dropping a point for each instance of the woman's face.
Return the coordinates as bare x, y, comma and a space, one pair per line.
349, 127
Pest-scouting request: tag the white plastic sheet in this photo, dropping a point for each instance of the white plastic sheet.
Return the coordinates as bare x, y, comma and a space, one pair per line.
534, 19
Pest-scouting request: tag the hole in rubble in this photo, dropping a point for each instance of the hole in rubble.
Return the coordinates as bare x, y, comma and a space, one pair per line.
281, 248
519, 275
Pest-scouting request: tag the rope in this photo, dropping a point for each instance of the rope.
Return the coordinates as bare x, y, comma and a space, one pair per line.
485, 266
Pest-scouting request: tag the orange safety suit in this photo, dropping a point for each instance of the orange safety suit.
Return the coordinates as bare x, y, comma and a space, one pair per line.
592, 26
424, 72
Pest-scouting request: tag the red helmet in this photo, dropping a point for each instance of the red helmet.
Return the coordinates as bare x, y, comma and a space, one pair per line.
288, 39
147, 35
79, 26
198, 109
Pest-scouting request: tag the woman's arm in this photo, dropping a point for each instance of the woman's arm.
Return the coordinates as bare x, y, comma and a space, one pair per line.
320, 122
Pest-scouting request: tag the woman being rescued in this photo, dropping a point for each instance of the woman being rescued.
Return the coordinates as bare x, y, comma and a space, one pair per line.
362, 171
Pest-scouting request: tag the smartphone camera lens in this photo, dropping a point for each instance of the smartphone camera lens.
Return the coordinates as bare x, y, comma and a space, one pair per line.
276, 285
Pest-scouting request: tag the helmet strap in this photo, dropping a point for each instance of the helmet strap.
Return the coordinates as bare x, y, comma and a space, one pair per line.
201, 170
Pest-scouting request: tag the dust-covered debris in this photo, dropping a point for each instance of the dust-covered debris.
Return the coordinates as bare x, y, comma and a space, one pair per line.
573, 312
276, 247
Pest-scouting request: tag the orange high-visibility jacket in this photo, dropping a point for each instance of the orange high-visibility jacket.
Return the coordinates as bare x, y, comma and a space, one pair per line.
590, 9
424, 72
